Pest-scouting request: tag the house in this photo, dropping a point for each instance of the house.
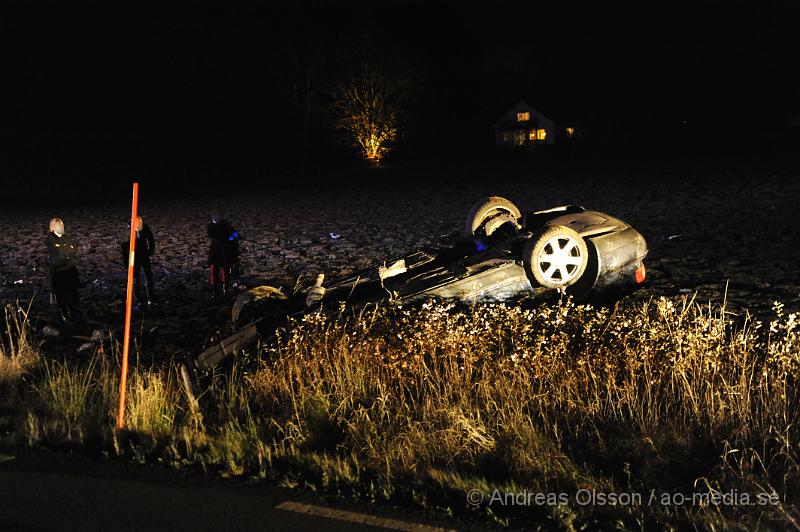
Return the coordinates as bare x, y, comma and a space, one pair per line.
525, 126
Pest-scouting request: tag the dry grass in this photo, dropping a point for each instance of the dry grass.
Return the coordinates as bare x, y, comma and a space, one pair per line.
67, 390
661, 397
152, 404
424, 404
17, 351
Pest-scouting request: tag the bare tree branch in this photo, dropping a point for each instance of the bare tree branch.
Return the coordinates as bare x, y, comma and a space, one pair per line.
368, 105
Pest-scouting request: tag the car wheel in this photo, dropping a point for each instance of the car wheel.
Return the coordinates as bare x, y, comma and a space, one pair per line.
487, 209
251, 304
556, 258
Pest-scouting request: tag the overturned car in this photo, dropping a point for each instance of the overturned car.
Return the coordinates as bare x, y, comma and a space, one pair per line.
501, 254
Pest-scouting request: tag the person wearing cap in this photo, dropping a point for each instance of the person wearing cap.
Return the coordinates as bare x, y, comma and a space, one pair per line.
145, 248
64, 279
223, 252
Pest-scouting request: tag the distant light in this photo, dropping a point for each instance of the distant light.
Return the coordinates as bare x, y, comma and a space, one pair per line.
532, 134
570, 132
541, 134
523, 117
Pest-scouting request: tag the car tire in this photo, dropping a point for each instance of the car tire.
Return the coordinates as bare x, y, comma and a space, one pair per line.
556, 257
251, 304
488, 208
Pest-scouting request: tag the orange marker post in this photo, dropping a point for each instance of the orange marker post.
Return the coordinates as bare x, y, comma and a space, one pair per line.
128, 309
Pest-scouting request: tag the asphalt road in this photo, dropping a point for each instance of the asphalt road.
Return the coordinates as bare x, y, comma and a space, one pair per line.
43, 491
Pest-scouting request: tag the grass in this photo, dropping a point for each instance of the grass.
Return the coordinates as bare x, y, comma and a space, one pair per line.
424, 404
66, 390
152, 403
17, 350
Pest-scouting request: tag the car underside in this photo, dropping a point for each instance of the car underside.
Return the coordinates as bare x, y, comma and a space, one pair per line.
502, 255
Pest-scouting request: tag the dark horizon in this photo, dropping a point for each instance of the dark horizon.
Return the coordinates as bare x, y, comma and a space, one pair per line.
108, 91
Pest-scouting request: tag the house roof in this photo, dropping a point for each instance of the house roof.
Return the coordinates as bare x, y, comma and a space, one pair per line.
509, 118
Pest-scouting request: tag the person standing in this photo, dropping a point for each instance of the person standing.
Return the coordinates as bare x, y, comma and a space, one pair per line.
64, 279
223, 252
145, 248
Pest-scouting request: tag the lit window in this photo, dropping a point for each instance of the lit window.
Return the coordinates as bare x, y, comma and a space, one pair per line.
541, 134
532, 134
523, 117
570, 132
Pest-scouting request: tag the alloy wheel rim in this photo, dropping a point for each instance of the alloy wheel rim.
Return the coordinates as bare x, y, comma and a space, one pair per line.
560, 260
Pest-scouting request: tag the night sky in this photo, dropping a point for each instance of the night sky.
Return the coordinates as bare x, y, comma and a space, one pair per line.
93, 90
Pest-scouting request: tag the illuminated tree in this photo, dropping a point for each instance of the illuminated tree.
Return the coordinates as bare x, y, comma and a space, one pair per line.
368, 106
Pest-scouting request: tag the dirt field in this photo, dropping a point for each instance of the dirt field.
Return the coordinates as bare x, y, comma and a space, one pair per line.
705, 228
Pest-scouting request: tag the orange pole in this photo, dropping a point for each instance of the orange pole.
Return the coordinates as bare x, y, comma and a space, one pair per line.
128, 309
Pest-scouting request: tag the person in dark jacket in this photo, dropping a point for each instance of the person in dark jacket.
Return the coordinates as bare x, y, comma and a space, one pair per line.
64, 280
145, 248
223, 252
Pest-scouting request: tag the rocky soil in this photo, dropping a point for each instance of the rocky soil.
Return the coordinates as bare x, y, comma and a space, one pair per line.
720, 233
